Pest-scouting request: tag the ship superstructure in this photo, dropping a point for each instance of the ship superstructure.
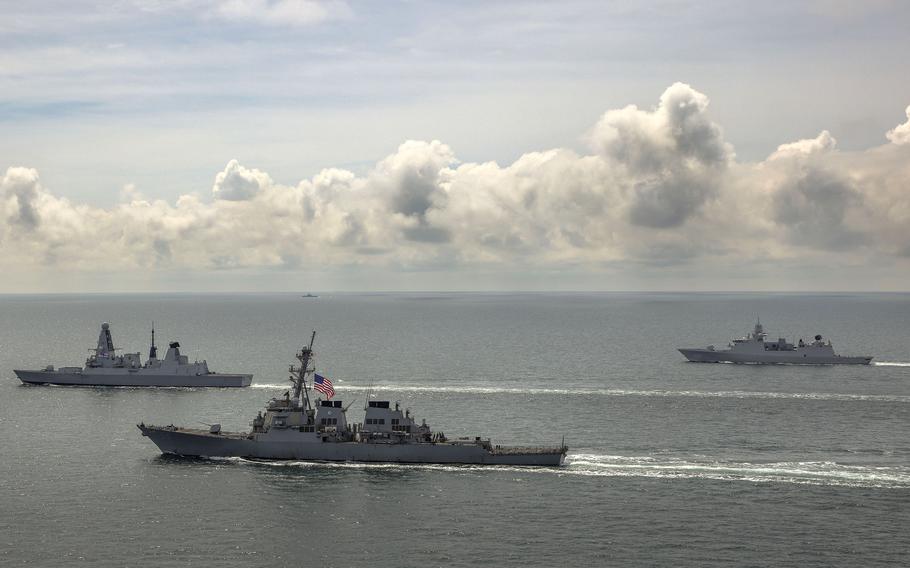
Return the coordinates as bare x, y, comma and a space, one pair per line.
104, 367
755, 348
301, 425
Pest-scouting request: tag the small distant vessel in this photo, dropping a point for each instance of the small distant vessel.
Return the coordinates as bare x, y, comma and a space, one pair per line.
297, 427
755, 349
105, 368
308, 295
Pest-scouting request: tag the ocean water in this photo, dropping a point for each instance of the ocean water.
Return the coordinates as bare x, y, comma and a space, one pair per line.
670, 463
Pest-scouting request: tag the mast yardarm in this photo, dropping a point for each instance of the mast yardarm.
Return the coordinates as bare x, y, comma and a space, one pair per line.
299, 374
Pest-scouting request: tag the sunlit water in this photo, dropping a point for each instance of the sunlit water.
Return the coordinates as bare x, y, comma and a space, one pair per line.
670, 463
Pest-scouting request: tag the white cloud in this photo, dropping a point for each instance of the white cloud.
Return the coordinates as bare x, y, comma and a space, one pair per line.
662, 188
237, 183
130, 193
282, 12
21, 190
824, 142
901, 134
674, 155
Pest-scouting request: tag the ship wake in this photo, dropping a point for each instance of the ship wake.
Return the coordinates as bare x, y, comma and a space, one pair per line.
467, 389
803, 472
819, 473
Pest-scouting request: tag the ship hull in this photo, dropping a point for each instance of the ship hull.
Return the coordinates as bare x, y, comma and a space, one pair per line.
194, 443
133, 379
770, 358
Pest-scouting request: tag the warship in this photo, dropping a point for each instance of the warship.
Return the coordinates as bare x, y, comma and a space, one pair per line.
301, 425
105, 368
754, 348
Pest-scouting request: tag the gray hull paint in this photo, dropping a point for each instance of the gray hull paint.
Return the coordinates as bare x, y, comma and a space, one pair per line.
133, 379
769, 358
197, 444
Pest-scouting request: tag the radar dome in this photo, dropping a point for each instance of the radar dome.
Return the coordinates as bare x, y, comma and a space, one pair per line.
105, 325
818, 338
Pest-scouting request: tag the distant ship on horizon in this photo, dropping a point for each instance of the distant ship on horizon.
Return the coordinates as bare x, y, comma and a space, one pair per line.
105, 368
755, 349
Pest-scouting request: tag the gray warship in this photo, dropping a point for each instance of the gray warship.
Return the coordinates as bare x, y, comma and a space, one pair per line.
303, 426
105, 368
755, 349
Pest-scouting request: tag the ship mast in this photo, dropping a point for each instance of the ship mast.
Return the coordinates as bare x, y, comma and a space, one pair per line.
298, 374
153, 351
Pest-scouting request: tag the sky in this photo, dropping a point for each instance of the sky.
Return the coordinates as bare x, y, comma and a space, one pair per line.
297, 145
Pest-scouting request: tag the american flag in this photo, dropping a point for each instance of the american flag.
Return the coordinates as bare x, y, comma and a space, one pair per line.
323, 385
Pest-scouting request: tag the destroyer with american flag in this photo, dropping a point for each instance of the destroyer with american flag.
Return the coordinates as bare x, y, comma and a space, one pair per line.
296, 427
323, 385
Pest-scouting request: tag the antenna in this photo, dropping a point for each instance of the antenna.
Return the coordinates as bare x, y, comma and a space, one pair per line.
305, 356
153, 351
366, 402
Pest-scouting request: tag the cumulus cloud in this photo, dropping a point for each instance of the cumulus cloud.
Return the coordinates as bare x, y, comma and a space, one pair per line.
813, 206
811, 199
20, 189
674, 155
660, 188
822, 143
901, 133
237, 183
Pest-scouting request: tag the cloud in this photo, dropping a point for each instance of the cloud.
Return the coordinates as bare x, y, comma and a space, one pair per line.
413, 179
811, 199
901, 134
822, 143
661, 189
130, 192
20, 190
813, 208
237, 183
674, 154
282, 12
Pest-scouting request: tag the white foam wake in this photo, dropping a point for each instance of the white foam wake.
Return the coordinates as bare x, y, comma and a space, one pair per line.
468, 389
602, 465
808, 472
890, 364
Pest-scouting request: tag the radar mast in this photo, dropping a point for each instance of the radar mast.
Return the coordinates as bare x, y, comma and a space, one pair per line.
153, 351
299, 374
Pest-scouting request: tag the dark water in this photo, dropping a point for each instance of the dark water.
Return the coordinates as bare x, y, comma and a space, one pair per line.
670, 463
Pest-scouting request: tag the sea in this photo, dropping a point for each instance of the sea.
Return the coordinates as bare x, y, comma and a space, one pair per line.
670, 463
